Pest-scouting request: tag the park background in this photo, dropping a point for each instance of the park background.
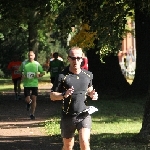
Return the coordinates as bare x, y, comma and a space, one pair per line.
44, 26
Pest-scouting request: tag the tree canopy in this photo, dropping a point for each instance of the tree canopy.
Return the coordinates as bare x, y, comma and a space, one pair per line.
105, 18
26, 25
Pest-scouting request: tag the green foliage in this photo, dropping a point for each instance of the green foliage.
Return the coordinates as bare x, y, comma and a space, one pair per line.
15, 36
106, 18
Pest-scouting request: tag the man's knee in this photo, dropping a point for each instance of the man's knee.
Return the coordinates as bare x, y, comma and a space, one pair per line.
68, 143
85, 144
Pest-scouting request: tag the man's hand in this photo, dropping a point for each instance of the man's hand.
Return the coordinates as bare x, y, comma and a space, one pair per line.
22, 77
40, 75
69, 92
93, 94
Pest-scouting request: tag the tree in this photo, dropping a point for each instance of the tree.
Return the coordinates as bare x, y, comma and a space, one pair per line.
142, 23
25, 27
109, 27
108, 19
28, 13
141, 82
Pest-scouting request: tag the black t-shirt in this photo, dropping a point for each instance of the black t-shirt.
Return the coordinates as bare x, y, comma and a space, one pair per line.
81, 82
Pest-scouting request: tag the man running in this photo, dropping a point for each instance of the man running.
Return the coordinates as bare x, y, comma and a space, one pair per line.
72, 87
31, 71
55, 67
13, 66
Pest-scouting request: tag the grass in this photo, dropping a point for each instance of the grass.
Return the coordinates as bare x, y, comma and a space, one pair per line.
7, 84
114, 126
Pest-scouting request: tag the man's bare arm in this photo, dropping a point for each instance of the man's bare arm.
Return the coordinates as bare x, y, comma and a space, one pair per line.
56, 96
60, 96
92, 93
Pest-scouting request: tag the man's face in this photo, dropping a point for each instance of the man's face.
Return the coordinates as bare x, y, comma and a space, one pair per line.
75, 58
31, 56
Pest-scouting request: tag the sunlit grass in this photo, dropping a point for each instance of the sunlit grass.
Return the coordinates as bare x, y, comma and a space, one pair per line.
113, 126
7, 84
52, 126
116, 128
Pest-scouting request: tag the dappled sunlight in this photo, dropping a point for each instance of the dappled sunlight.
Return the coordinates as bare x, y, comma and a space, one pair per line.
116, 128
30, 142
115, 119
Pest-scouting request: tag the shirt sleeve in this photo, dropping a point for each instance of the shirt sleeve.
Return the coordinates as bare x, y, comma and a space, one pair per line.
40, 68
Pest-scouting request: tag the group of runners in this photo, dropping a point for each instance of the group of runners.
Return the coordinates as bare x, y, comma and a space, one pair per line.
72, 85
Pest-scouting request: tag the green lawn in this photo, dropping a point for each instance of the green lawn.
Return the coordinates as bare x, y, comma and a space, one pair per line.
114, 125
7, 84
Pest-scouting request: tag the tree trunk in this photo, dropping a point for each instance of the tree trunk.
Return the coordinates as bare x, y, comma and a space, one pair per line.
142, 31
145, 130
33, 33
107, 76
141, 82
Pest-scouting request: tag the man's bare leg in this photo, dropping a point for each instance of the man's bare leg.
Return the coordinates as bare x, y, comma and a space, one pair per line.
19, 88
68, 143
84, 138
33, 104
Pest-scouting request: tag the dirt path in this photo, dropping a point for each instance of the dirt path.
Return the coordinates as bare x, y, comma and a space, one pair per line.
18, 132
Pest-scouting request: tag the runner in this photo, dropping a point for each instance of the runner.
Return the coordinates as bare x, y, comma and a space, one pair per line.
72, 87
55, 67
84, 63
31, 71
13, 66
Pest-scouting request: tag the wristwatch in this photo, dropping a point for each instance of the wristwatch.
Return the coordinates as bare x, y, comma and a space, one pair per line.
63, 94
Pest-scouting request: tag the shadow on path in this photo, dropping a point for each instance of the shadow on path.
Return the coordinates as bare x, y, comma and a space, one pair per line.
29, 143
18, 132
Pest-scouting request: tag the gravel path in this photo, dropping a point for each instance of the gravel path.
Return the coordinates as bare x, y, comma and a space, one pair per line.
18, 132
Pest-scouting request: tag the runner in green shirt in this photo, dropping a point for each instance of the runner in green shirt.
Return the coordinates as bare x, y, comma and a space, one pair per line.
31, 71
55, 68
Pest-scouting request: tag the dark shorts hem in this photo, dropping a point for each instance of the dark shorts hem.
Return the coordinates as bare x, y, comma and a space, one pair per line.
69, 125
30, 91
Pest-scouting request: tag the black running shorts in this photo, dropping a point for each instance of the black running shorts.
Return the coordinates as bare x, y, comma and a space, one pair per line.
69, 125
32, 90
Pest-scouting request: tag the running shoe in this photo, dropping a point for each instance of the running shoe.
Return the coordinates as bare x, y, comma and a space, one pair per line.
32, 117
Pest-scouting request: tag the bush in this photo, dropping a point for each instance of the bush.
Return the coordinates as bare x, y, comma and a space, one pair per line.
1, 74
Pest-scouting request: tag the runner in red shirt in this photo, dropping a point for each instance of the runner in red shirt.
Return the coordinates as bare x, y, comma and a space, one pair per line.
84, 64
13, 66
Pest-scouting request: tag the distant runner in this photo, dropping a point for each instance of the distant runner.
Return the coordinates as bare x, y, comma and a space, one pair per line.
13, 66
31, 71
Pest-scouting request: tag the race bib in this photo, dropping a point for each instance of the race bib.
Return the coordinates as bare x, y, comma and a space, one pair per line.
30, 75
17, 72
